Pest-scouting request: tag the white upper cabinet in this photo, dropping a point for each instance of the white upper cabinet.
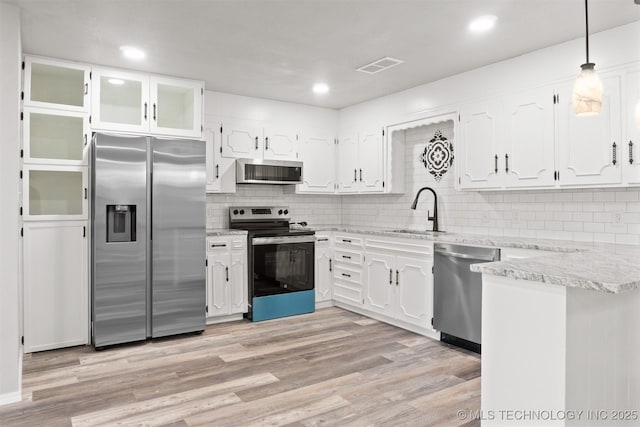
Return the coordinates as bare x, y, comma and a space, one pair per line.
242, 139
55, 136
120, 101
480, 156
127, 101
280, 144
590, 148
318, 154
371, 156
50, 83
55, 192
176, 107
348, 163
529, 156
221, 172
630, 147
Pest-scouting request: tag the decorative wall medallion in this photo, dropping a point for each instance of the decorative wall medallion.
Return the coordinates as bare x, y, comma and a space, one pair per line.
438, 156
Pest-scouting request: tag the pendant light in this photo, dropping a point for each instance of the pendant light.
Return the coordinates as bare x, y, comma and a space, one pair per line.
587, 90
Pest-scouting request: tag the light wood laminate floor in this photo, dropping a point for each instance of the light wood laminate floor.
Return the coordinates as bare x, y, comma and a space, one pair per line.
330, 368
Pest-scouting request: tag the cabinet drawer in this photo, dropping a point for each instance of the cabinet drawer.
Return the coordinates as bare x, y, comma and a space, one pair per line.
345, 292
217, 245
348, 257
346, 240
238, 243
347, 275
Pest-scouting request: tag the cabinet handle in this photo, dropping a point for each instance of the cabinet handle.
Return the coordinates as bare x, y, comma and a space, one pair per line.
218, 245
86, 88
256, 142
217, 171
85, 194
226, 269
630, 152
506, 163
323, 239
614, 149
266, 142
154, 111
346, 275
355, 175
330, 266
397, 278
145, 110
346, 257
495, 159
391, 276
85, 139
360, 175
346, 240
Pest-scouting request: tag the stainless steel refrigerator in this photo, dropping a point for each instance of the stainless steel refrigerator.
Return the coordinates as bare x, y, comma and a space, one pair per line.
148, 238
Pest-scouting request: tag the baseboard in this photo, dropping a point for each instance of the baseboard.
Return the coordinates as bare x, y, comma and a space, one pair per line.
222, 319
13, 397
324, 304
427, 332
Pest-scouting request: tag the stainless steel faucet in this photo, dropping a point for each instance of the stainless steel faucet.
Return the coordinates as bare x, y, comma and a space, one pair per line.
433, 218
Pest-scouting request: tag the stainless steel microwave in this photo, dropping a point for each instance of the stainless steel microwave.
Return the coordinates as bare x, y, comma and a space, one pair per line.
258, 171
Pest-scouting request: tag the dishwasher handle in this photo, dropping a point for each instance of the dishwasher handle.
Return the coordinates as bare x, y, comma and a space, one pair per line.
467, 256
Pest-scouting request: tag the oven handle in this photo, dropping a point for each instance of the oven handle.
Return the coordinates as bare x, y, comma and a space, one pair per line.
256, 241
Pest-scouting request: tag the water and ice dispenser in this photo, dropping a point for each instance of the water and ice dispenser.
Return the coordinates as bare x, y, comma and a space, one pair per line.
121, 223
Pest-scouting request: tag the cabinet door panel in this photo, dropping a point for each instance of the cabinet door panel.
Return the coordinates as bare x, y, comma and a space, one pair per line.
242, 139
323, 273
56, 294
318, 155
348, 164
238, 285
176, 107
55, 192
586, 151
479, 146
415, 291
58, 84
529, 142
631, 144
380, 279
371, 155
120, 101
280, 144
218, 274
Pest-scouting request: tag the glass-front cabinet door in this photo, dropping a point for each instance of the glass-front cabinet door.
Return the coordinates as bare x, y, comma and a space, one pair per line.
57, 84
55, 136
176, 107
120, 101
55, 192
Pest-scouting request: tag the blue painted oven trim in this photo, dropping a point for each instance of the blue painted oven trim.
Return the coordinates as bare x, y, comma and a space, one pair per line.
283, 305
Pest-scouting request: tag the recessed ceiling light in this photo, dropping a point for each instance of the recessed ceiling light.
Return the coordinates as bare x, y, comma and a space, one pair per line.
132, 52
483, 23
320, 88
117, 82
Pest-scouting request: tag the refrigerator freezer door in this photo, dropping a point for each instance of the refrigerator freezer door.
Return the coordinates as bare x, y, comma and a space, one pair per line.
178, 236
119, 270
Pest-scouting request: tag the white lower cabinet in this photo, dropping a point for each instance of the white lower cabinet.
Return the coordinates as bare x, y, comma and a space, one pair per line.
323, 269
226, 276
347, 270
56, 285
380, 289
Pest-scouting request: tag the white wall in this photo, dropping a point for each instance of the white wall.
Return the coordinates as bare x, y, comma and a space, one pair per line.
10, 57
323, 121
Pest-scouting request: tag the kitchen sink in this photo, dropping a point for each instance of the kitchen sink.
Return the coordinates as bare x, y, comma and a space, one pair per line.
426, 232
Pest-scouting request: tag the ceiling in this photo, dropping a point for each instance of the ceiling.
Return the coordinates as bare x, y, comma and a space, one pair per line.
277, 49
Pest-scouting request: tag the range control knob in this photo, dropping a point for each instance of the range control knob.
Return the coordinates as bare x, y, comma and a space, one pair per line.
235, 211
280, 212
241, 211
286, 211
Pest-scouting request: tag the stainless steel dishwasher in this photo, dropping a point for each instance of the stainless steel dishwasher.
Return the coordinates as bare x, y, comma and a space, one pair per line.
457, 311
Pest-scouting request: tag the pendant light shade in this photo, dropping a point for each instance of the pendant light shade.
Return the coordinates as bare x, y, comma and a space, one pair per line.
587, 90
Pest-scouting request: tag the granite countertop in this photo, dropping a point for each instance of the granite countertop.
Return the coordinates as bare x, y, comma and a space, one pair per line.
609, 268
225, 232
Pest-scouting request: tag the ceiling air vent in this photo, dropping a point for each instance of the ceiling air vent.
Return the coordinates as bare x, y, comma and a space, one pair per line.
380, 65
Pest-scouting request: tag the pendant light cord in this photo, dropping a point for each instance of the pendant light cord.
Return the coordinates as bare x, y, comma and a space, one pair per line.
586, 18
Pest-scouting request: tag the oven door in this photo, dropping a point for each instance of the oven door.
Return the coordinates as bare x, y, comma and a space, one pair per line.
282, 264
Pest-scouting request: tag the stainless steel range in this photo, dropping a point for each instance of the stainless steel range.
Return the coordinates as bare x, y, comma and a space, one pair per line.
281, 262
